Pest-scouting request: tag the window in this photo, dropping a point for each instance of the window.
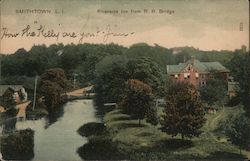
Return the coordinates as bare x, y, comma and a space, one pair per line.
176, 76
197, 75
203, 84
186, 75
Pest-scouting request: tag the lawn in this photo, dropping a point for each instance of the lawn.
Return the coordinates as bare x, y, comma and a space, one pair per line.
148, 142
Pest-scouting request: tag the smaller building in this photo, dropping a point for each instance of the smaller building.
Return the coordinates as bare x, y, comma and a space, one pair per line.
196, 72
232, 89
17, 91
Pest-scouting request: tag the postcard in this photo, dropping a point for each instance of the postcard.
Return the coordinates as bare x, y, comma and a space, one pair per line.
124, 80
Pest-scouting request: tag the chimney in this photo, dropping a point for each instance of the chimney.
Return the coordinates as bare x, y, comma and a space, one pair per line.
192, 60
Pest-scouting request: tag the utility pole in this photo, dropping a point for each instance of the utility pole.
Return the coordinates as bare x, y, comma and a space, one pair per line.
34, 100
74, 81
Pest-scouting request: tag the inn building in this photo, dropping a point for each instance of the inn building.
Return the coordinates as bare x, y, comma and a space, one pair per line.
196, 72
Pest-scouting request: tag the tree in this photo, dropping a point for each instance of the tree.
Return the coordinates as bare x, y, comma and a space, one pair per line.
240, 67
113, 71
147, 71
181, 57
53, 83
183, 113
110, 79
138, 100
212, 95
8, 102
239, 133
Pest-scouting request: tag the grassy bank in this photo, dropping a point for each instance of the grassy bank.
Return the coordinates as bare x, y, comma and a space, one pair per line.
125, 139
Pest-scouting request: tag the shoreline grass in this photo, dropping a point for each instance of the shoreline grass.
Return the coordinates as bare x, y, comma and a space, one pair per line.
147, 142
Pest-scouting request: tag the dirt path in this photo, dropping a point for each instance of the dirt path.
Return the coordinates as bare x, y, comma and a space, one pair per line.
213, 123
79, 92
2, 109
22, 109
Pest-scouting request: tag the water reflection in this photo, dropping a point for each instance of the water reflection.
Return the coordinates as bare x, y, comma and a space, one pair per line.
9, 125
56, 136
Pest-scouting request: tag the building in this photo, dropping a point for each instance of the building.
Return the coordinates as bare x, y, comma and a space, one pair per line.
232, 89
196, 72
17, 91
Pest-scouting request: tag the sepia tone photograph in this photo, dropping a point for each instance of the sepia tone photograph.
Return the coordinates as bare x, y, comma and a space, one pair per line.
124, 80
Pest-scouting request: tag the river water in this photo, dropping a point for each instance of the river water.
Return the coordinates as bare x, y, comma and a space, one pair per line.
57, 138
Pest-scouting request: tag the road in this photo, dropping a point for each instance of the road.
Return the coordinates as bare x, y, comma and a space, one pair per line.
22, 109
79, 92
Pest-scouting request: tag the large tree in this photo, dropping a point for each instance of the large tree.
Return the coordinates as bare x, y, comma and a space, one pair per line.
240, 67
239, 132
138, 101
113, 71
148, 71
183, 113
111, 76
53, 83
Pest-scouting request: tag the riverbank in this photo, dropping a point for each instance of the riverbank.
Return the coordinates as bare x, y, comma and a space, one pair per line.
123, 138
55, 136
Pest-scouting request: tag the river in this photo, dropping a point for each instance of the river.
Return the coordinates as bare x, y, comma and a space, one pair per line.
57, 138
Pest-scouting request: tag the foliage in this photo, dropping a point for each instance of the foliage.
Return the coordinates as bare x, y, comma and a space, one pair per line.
229, 114
162, 56
240, 67
146, 70
53, 83
92, 128
151, 116
239, 132
212, 95
82, 59
100, 148
138, 100
183, 113
113, 71
123, 139
8, 102
182, 57
18, 145
109, 82
222, 56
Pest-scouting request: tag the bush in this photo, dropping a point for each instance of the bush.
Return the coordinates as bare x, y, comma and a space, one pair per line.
99, 148
239, 132
227, 122
18, 145
92, 128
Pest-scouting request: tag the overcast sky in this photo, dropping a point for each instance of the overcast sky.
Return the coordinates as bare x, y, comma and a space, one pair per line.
203, 24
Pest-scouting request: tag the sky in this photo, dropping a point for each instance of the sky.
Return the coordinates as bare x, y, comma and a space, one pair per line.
203, 24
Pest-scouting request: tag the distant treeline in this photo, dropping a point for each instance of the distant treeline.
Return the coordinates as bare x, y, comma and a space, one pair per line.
81, 60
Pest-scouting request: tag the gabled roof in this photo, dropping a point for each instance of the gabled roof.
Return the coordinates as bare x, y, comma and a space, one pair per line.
215, 66
3, 88
175, 68
202, 67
